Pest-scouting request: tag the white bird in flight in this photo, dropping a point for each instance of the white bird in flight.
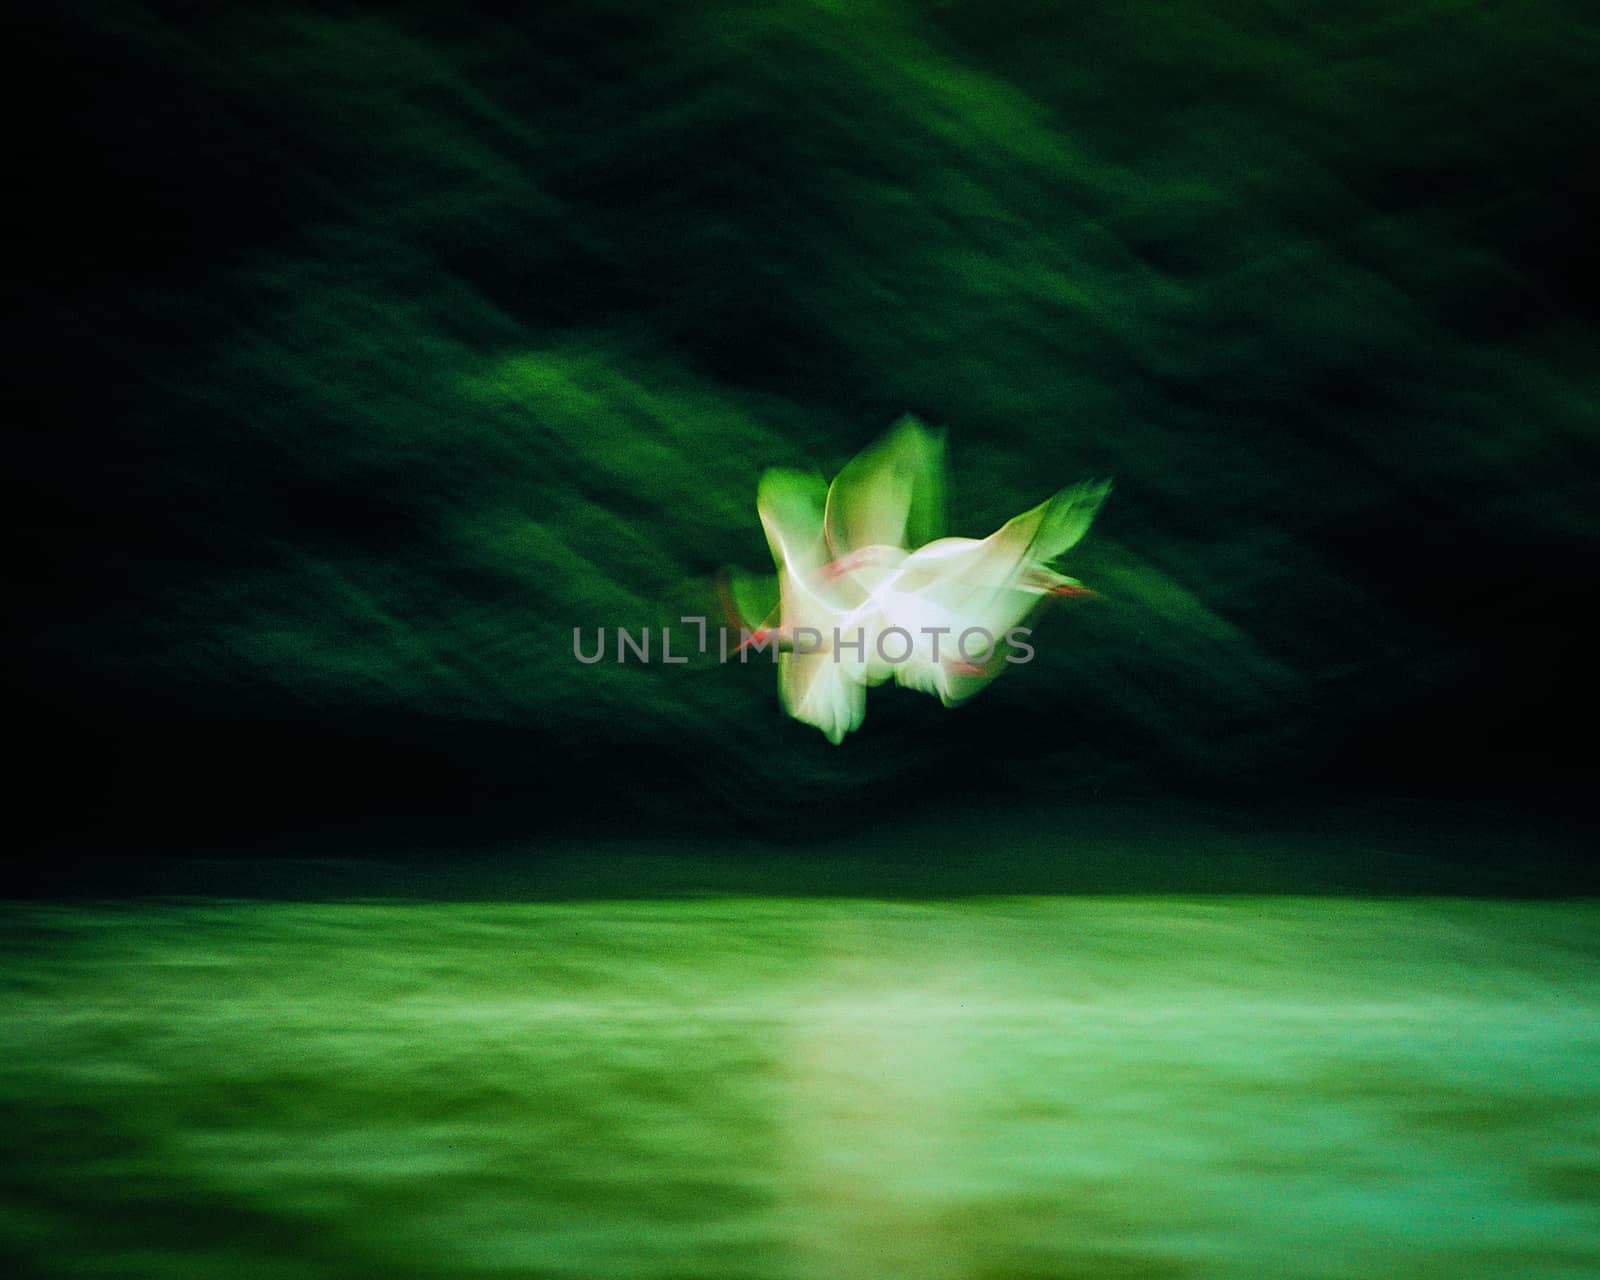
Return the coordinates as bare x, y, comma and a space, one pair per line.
867, 589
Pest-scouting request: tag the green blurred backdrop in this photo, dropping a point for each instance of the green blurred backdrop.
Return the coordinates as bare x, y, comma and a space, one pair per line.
384, 347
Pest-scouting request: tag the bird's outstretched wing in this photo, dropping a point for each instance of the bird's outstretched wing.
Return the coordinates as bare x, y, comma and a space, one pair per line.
891, 494
1058, 525
791, 504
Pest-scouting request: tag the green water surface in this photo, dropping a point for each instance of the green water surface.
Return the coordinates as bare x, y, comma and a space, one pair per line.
1003, 1088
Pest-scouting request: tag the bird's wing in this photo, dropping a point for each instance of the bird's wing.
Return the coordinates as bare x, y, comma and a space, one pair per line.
820, 684
817, 690
891, 494
1056, 526
961, 571
815, 687
791, 504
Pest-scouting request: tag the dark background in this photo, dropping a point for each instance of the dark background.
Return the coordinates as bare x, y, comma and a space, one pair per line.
367, 352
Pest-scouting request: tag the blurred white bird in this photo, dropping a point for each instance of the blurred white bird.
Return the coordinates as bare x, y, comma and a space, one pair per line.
856, 605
